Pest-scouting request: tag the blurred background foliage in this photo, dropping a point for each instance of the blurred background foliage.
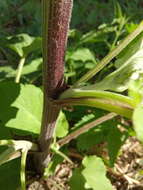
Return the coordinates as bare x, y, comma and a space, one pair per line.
96, 28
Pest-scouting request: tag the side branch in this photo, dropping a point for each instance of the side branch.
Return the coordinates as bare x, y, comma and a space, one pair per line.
85, 128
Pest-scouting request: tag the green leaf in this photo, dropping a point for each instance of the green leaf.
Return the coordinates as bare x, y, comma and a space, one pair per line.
129, 62
84, 120
18, 42
29, 67
9, 91
29, 104
99, 35
21, 107
93, 136
115, 140
35, 45
118, 10
77, 180
32, 66
6, 72
138, 121
62, 126
81, 54
10, 175
95, 173
90, 139
135, 90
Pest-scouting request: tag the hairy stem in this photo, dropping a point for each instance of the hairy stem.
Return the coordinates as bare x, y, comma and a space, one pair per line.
56, 18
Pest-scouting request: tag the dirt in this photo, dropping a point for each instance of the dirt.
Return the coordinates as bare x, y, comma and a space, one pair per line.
127, 173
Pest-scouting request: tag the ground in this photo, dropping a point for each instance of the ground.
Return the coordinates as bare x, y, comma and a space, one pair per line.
126, 175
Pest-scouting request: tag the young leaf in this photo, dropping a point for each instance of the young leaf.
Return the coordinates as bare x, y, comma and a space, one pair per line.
62, 125
95, 173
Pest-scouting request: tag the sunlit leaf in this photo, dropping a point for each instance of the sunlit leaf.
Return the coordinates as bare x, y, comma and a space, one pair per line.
18, 42
23, 44
32, 66
95, 173
62, 125
21, 107
138, 121
81, 54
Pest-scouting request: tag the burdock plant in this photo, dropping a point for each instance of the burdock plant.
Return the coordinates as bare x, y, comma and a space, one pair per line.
57, 94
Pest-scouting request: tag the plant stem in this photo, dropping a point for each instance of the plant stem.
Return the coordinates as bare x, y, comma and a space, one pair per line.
82, 93
62, 155
22, 171
85, 128
111, 55
7, 155
19, 69
56, 18
19, 144
105, 104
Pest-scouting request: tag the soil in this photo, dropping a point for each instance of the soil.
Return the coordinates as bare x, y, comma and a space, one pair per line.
127, 173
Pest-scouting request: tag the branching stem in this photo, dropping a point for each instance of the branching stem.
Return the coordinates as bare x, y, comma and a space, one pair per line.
85, 128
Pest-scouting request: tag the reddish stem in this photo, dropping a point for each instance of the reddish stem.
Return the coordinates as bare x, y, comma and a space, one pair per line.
56, 17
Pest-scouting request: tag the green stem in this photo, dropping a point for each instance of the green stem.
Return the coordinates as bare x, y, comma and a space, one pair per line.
22, 171
105, 104
81, 93
6, 155
19, 69
61, 154
6, 142
111, 55
85, 128
19, 144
